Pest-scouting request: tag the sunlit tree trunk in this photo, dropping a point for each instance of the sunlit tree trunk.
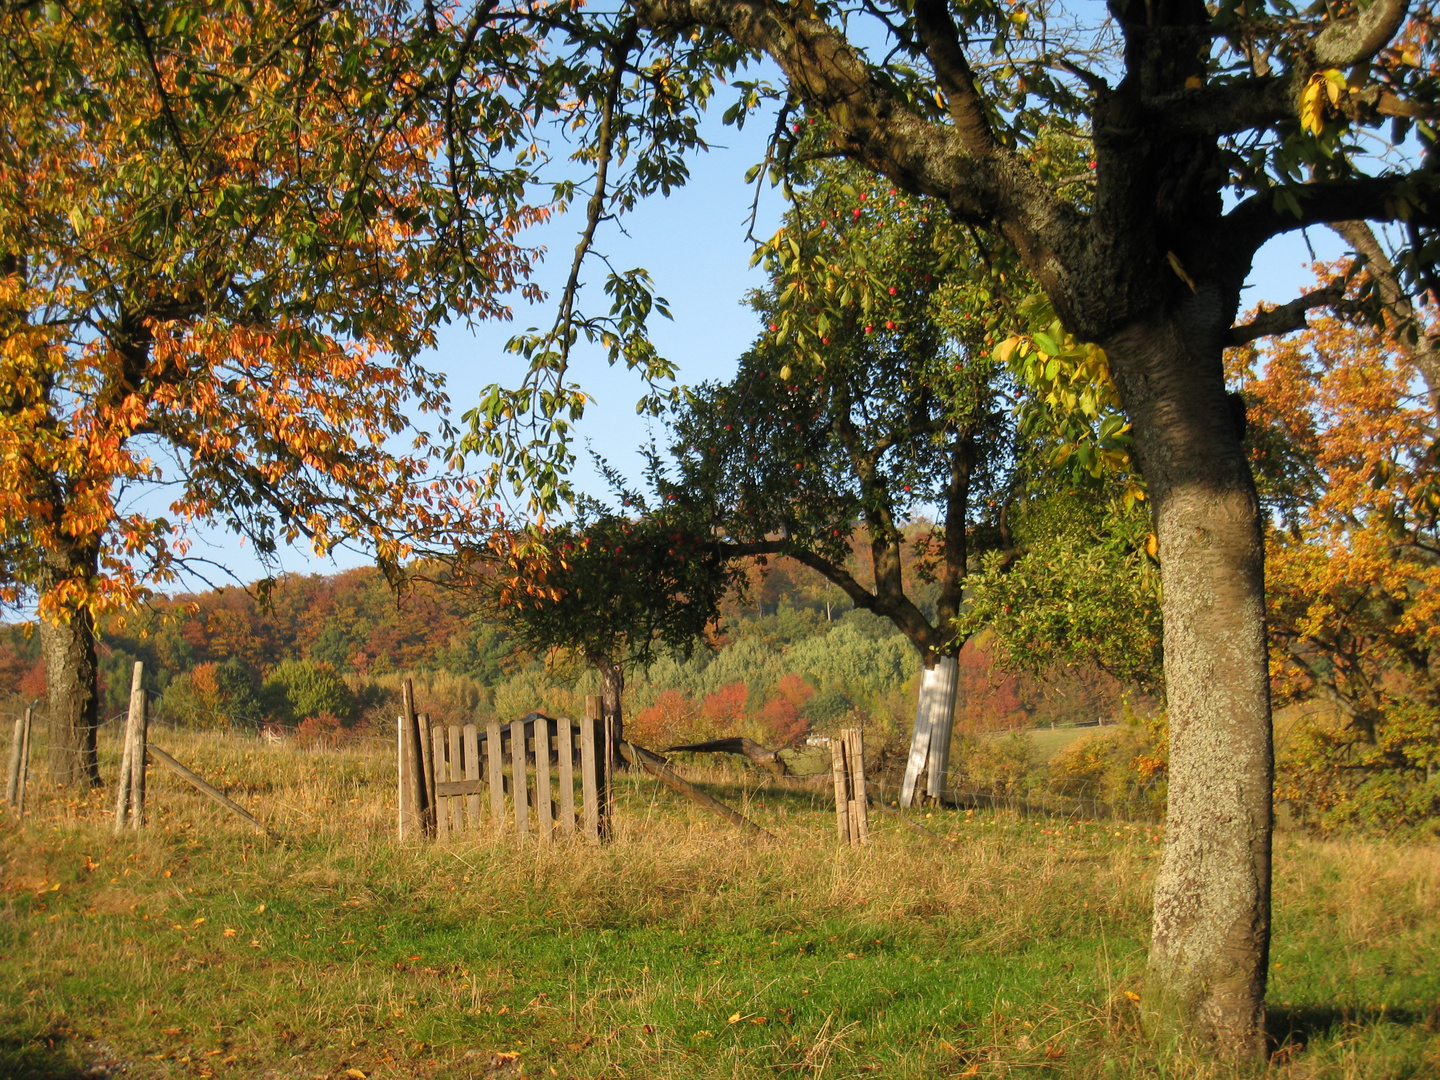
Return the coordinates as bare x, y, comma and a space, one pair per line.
1211, 929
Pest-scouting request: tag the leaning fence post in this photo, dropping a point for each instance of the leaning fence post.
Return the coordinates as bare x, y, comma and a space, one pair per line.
842, 798
855, 759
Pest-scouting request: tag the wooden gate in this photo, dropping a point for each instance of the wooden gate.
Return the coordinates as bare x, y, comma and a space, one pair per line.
519, 778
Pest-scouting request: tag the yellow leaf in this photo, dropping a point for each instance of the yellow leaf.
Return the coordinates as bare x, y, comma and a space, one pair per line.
355, 1074
734, 1019
1312, 104
1132, 995
1174, 262
1152, 545
1194, 82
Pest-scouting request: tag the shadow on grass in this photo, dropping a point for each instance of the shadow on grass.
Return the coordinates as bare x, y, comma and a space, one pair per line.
1297, 1026
41, 1059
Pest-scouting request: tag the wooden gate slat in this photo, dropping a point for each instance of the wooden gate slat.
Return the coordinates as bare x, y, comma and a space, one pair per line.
471, 736
437, 765
517, 777
589, 789
565, 751
497, 775
544, 820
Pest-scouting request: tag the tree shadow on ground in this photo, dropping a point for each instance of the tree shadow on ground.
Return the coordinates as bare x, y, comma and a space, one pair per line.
1296, 1026
31, 1059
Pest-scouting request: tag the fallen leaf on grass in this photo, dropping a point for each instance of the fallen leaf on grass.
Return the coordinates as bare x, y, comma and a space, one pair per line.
734, 1019
1132, 995
355, 1074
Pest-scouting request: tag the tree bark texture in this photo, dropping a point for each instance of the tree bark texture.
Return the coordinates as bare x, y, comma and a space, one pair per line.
612, 695
71, 704
1211, 929
934, 726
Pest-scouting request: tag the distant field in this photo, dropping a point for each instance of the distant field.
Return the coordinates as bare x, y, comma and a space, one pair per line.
957, 944
1050, 741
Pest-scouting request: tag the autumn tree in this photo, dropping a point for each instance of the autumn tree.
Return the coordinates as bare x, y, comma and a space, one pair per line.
1213, 128
1344, 439
227, 230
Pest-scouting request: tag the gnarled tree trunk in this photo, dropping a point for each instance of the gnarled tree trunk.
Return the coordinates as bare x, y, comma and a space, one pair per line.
68, 646
1211, 929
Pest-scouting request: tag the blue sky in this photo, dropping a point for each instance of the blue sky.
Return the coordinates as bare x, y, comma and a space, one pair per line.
693, 243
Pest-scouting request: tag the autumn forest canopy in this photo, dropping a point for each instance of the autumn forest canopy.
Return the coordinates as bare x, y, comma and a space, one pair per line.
1003, 420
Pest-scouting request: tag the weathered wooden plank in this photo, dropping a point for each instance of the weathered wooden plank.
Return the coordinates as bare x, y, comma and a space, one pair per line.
842, 796
652, 764
517, 777
437, 762
497, 775
451, 789
565, 751
471, 736
199, 782
544, 819
589, 791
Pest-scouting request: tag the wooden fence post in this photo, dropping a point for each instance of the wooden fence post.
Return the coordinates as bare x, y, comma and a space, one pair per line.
437, 763
589, 776
130, 787
19, 763
412, 815
847, 758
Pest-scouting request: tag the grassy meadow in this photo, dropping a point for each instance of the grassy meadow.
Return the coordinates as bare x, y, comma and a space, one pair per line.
963, 944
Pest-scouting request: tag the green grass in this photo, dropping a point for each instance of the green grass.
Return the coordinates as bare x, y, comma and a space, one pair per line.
977, 945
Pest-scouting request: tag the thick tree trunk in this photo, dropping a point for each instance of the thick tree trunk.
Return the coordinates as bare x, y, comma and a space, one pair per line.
934, 726
612, 694
1211, 932
69, 674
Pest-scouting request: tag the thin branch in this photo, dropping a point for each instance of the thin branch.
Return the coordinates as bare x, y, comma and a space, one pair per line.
1286, 317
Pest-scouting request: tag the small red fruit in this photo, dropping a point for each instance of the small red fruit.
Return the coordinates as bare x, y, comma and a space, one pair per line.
892, 290
889, 325
855, 212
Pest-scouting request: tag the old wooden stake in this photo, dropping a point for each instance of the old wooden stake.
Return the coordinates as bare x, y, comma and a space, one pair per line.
12, 776
137, 730
412, 821
842, 797
19, 761
859, 814
22, 775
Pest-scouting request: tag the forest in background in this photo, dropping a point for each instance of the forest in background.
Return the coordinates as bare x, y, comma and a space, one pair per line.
326, 654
